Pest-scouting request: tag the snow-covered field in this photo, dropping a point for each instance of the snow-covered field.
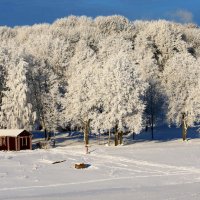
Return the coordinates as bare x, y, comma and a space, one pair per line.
142, 170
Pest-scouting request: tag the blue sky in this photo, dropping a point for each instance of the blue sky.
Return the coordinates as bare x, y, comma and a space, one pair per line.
28, 12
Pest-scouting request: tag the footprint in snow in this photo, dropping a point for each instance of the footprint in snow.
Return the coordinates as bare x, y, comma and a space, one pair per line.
9, 157
2, 175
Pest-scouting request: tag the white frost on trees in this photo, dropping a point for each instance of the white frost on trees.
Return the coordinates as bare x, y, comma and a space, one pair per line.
79, 68
16, 110
121, 89
181, 83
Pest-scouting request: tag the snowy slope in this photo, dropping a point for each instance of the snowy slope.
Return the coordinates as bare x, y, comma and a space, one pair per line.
144, 170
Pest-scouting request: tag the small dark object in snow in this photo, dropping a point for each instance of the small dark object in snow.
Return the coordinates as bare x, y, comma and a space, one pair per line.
58, 161
42, 145
53, 142
81, 166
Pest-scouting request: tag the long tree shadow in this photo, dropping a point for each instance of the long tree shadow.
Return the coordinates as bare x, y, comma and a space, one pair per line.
163, 134
73, 138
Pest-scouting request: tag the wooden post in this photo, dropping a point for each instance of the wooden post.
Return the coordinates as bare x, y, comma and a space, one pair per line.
86, 148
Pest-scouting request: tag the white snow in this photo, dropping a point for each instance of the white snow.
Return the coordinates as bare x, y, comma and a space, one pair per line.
141, 170
10, 132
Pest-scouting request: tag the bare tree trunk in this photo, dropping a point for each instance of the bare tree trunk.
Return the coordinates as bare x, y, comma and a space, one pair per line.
184, 127
103, 138
116, 136
146, 128
120, 137
109, 137
45, 130
133, 135
45, 134
152, 122
99, 138
152, 115
86, 132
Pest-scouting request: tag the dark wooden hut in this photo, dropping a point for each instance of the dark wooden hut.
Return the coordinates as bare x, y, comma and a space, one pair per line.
15, 139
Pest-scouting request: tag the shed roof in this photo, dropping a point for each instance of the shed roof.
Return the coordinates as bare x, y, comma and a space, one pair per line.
10, 132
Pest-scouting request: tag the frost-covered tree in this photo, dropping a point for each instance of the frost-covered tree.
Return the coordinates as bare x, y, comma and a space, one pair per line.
154, 110
17, 110
122, 91
3, 59
40, 83
181, 85
148, 55
55, 103
165, 39
81, 95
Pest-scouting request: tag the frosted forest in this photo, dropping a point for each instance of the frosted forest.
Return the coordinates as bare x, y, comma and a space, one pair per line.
100, 74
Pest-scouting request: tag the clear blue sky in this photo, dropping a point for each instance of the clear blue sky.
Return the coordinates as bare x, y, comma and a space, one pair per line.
28, 12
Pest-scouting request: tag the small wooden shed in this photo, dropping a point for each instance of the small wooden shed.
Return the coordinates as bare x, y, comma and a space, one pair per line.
15, 139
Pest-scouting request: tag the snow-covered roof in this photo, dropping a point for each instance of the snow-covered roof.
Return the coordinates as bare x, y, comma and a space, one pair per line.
10, 132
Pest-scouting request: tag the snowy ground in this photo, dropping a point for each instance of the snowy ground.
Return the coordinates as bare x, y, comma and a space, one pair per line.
141, 170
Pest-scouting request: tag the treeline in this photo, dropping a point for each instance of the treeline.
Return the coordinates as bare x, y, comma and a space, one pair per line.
102, 73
